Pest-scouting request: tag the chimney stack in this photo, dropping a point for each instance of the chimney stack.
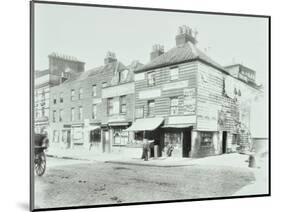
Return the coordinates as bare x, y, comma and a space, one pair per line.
110, 58
185, 34
157, 50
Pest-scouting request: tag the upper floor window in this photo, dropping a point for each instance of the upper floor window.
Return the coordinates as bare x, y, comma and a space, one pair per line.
54, 116
94, 90
110, 106
80, 96
94, 111
104, 84
61, 115
72, 94
151, 78
174, 106
54, 99
61, 97
123, 105
80, 114
174, 73
72, 114
150, 107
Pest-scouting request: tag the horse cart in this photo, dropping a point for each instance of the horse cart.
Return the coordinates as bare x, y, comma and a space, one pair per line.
40, 145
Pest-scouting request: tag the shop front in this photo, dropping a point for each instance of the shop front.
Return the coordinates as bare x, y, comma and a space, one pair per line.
177, 141
149, 129
77, 135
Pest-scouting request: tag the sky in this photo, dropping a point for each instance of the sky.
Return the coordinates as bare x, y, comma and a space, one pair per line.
88, 33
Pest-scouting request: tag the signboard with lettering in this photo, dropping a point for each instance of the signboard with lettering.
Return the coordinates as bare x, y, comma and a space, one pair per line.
151, 93
175, 85
189, 101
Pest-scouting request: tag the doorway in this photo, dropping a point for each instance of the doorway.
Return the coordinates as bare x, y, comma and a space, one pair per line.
224, 139
105, 141
68, 140
186, 147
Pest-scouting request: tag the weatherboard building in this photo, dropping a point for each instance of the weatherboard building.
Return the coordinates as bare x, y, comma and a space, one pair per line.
186, 99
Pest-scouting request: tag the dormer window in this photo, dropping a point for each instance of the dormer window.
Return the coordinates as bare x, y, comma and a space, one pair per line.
123, 75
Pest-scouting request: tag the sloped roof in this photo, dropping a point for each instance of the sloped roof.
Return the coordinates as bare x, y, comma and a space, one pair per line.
179, 54
40, 73
95, 71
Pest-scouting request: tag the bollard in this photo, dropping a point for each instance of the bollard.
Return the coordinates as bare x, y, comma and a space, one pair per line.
156, 151
252, 161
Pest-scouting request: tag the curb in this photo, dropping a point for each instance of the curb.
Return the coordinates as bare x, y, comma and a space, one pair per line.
147, 164
66, 157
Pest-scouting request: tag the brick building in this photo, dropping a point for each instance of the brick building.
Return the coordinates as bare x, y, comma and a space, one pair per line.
59, 65
184, 98
93, 107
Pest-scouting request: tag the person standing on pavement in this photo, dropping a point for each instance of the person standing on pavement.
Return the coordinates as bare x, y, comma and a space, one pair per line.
145, 150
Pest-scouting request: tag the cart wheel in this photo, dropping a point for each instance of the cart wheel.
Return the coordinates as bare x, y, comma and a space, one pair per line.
40, 164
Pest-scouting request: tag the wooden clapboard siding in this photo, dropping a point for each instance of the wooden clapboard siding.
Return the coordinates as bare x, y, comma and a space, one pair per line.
187, 73
210, 100
209, 97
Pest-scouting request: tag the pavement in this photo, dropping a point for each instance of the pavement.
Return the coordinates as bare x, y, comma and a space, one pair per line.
132, 157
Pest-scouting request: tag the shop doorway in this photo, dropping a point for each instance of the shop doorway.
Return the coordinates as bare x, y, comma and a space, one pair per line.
186, 143
224, 139
106, 142
68, 140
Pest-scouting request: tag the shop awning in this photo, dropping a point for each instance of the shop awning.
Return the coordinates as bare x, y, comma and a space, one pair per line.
147, 124
177, 125
93, 127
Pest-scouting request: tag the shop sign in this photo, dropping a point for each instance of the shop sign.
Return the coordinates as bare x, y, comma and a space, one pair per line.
151, 93
189, 101
175, 85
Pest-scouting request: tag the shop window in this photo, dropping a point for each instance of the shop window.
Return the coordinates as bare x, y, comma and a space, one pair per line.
174, 106
150, 108
235, 139
138, 136
95, 135
120, 137
123, 104
174, 73
206, 139
173, 138
151, 78
78, 135
55, 136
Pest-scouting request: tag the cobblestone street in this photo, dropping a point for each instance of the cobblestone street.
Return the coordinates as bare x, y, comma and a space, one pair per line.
77, 182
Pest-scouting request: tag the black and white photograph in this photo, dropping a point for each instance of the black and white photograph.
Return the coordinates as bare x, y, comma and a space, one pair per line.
141, 105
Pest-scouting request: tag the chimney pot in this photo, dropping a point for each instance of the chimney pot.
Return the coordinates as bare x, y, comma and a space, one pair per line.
157, 50
185, 34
